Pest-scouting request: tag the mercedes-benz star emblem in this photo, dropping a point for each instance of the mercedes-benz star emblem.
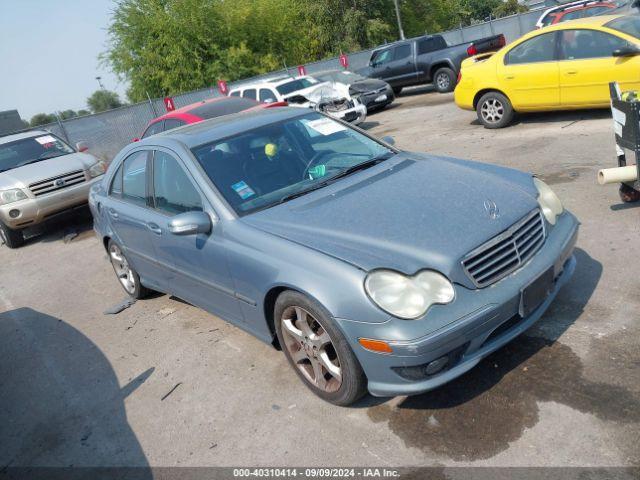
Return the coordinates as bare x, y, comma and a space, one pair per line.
492, 209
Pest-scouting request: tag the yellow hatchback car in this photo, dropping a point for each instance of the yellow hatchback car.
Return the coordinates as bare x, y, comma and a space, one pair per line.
560, 67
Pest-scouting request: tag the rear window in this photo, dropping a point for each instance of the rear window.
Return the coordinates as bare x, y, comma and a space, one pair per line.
224, 106
629, 25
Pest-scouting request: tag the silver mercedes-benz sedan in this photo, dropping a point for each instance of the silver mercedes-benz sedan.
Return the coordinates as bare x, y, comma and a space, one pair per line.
374, 269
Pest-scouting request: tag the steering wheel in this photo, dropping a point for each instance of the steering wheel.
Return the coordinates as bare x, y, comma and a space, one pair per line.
313, 162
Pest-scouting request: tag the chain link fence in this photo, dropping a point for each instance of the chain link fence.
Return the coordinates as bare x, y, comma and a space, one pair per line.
108, 132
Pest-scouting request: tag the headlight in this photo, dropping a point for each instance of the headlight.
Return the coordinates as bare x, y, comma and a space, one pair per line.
97, 169
549, 202
10, 196
408, 297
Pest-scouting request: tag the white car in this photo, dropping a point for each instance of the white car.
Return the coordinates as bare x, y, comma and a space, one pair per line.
306, 92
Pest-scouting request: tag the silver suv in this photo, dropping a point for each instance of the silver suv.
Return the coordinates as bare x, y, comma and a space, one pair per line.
41, 176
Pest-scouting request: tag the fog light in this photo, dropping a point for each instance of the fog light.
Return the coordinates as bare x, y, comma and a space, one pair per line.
14, 213
437, 365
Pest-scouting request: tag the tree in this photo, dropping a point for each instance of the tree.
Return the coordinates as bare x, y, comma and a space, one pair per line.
42, 119
82, 112
65, 114
102, 100
509, 7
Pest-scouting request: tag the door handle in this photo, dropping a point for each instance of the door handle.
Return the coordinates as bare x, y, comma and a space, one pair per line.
572, 72
510, 77
154, 228
113, 213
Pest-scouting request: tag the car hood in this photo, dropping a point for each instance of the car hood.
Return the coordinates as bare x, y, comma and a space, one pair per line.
21, 177
408, 213
369, 85
316, 93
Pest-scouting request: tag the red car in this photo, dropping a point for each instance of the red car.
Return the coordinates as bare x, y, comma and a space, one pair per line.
197, 112
574, 10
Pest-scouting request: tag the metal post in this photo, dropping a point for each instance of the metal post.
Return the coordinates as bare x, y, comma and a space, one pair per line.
461, 34
62, 129
491, 25
397, 5
153, 107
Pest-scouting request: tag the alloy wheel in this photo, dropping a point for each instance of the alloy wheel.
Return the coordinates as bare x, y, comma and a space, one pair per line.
311, 349
443, 81
492, 110
122, 269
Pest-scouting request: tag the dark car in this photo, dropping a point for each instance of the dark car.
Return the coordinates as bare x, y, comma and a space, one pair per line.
373, 93
427, 59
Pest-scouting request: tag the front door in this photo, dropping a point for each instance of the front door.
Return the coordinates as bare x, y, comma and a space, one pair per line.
127, 208
587, 66
195, 265
529, 74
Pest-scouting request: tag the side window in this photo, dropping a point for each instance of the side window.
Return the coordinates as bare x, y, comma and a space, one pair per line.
153, 129
267, 95
116, 183
171, 123
427, 45
173, 190
574, 15
249, 93
581, 44
235, 94
382, 56
537, 49
134, 172
402, 51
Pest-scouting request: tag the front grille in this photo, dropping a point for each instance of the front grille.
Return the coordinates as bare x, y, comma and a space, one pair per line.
54, 184
507, 252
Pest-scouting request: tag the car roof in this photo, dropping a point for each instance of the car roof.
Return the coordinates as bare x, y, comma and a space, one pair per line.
598, 21
20, 136
272, 82
218, 128
212, 107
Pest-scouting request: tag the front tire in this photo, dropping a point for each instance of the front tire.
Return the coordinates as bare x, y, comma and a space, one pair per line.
494, 110
444, 80
317, 350
127, 276
11, 238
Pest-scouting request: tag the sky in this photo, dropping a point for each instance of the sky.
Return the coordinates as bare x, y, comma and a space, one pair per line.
49, 54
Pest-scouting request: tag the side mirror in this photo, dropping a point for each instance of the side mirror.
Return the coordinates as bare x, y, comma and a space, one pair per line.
190, 223
82, 146
390, 140
136, 140
626, 51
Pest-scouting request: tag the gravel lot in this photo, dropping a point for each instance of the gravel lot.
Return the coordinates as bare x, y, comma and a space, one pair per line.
163, 383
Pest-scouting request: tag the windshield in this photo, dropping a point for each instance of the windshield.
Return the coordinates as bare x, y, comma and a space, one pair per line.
629, 25
342, 77
29, 150
272, 164
294, 85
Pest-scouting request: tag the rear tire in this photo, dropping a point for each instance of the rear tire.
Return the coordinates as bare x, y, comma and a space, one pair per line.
11, 238
127, 276
397, 90
494, 110
317, 350
444, 80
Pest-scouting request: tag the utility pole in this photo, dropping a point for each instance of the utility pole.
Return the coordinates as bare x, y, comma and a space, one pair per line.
397, 4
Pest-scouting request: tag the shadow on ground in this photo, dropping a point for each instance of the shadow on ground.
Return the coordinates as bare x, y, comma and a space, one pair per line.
60, 401
477, 415
71, 226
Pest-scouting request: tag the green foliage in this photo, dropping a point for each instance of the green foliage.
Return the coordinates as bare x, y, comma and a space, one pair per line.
42, 119
509, 7
102, 100
163, 47
65, 114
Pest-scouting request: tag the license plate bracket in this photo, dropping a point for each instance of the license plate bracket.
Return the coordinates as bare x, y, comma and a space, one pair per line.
532, 296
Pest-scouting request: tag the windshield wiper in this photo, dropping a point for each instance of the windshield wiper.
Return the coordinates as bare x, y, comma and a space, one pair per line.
355, 168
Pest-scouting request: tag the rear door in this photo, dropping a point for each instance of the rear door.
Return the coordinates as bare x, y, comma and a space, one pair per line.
127, 209
529, 74
402, 68
426, 47
587, 66
195, 266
